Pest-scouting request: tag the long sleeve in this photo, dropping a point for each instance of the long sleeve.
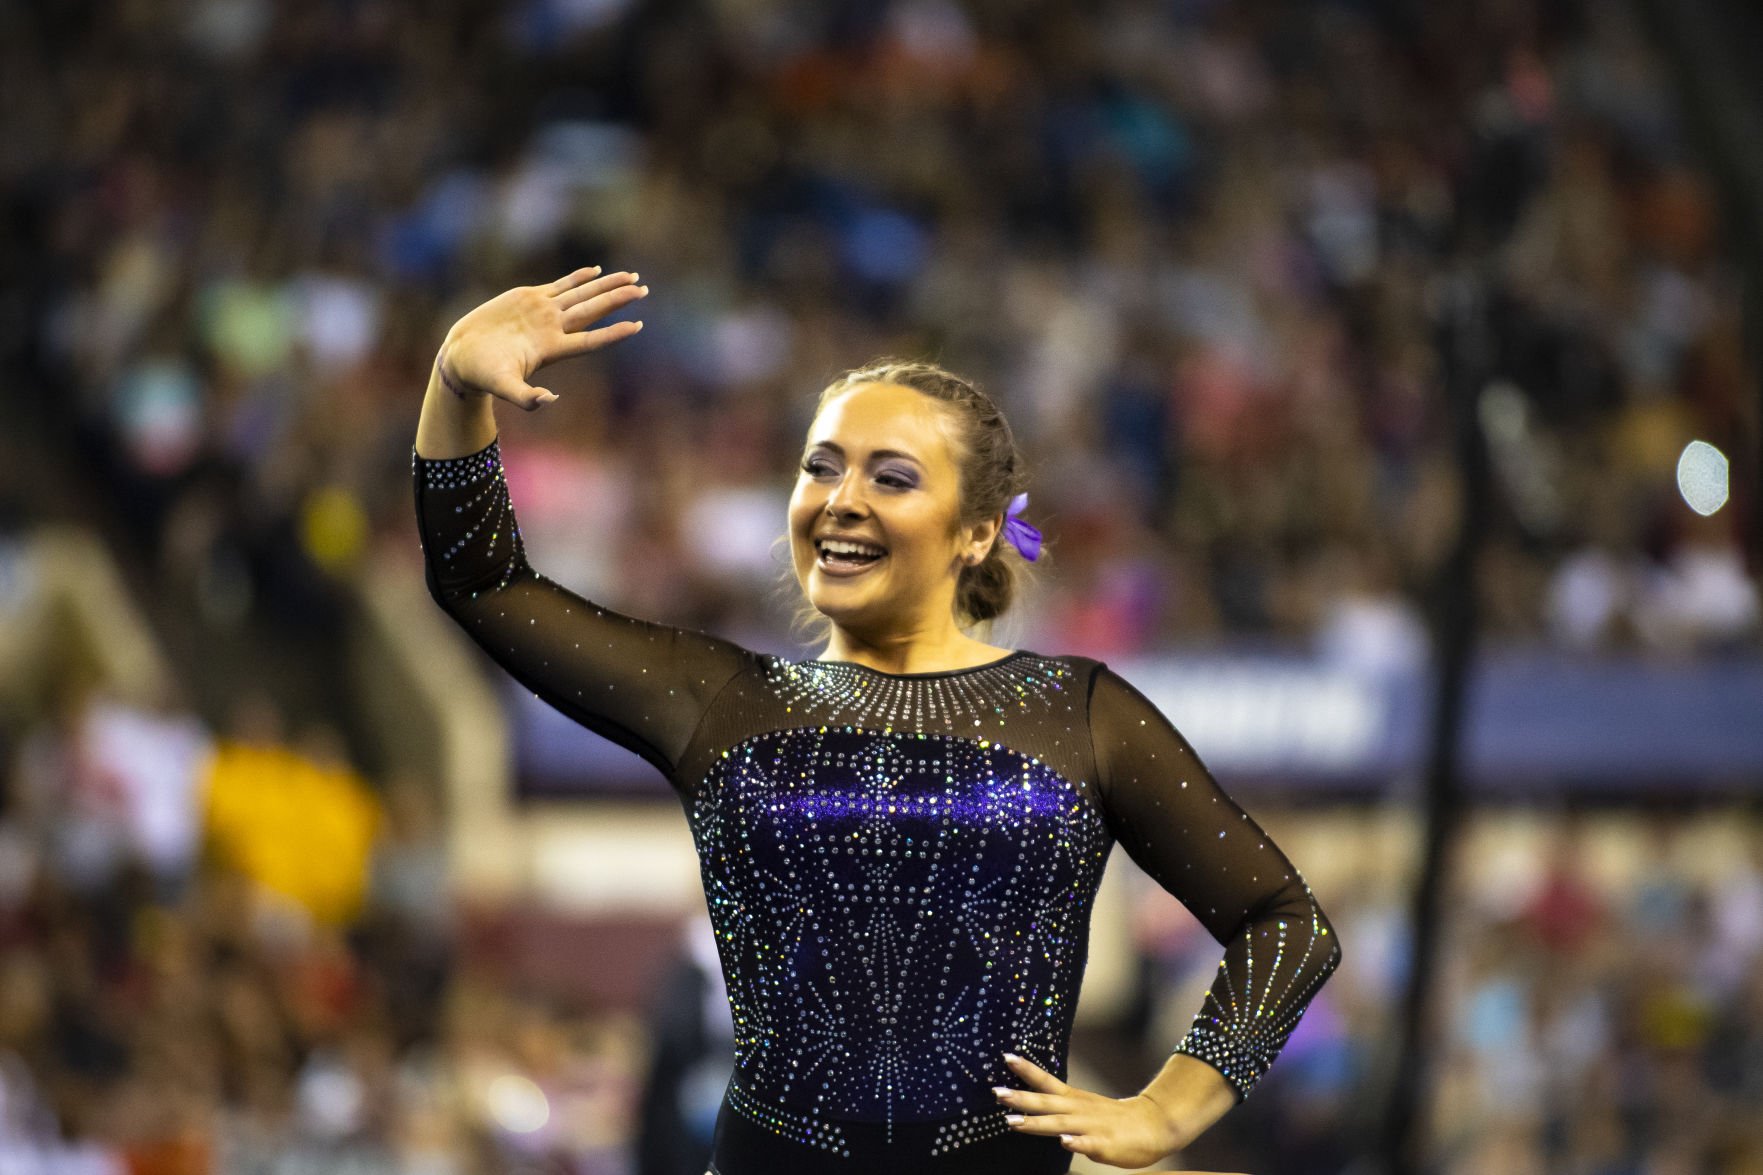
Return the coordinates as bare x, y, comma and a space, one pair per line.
1174, 820
641, 684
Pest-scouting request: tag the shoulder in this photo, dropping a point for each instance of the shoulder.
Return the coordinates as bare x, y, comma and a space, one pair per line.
1078, 667
1124, 707
1084, 673
1068, 676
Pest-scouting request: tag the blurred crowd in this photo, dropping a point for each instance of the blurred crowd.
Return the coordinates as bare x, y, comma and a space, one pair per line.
218, 949
232, 952
1199, 250
1589, 1021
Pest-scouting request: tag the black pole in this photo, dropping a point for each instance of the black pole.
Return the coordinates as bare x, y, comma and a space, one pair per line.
1466, 348
1702, 41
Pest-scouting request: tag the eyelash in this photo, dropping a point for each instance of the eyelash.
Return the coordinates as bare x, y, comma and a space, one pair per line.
899, 483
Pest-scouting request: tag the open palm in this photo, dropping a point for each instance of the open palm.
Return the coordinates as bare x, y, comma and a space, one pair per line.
498, 347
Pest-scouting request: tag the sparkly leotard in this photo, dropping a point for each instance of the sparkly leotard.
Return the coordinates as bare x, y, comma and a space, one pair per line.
899, 866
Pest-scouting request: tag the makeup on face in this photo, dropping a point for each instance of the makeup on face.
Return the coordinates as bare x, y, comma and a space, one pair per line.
857, 508
845, 553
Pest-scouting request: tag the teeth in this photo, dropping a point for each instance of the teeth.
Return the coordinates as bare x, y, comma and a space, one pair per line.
840, 547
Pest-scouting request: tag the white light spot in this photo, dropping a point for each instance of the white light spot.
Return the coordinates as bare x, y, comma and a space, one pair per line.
517, 1104
1702, 477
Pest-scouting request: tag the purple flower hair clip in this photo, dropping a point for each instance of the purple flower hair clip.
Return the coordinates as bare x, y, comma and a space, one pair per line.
1026, 538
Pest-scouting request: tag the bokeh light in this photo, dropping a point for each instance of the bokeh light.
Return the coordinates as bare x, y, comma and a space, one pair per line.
517, 1104
1702, 473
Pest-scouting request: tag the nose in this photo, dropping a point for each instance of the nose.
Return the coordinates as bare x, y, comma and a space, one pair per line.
847, 498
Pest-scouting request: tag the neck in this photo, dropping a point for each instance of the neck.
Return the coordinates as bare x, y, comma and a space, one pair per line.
911, 654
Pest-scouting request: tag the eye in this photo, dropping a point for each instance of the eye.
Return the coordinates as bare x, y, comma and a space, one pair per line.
814, 467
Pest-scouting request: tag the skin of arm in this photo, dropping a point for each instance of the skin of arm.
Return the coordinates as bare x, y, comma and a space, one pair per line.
453, 423
1192, 1095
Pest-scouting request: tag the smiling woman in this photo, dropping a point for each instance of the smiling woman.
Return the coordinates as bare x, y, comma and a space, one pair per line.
900, 841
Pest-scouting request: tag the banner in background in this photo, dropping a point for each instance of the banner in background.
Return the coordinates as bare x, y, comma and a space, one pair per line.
1537, 720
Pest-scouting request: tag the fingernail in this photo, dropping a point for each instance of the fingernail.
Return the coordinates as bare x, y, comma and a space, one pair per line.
1065, 1138
549, 399
1012, 1058
645, 289
593, 269
1002, 1090
1013, 1119
633, 278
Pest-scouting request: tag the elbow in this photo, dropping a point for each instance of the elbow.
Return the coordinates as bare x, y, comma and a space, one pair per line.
1286, 914
438, 593
1326, 934
456, 589
1297, 903
454, 600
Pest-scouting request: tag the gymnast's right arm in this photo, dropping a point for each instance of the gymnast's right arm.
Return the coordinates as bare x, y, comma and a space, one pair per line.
641, 684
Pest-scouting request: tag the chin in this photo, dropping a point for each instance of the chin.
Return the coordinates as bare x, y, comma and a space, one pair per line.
837, 602
828, 599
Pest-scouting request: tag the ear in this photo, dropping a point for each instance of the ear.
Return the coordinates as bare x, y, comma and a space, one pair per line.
982, 536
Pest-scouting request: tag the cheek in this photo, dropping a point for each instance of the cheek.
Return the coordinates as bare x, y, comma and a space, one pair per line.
801, 526
800, 512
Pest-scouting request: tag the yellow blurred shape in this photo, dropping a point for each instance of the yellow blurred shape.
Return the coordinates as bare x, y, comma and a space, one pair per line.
298, 828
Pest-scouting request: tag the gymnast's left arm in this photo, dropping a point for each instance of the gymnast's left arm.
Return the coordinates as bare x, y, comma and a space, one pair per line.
1177, 823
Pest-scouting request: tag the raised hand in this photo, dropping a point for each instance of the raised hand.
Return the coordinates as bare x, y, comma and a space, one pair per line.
1121, 1132
498, 347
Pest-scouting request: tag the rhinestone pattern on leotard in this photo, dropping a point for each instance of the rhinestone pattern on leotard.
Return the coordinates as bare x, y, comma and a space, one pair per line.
1246, 1019
897, 905
488, 514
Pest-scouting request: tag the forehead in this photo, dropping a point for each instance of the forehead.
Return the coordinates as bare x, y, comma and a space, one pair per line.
884, 416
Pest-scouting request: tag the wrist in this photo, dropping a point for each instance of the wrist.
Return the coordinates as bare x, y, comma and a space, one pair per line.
1174, 1136
1191, 1095
462, 391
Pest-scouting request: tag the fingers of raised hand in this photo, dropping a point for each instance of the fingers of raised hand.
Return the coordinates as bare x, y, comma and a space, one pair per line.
570, 281
575, 295
581, 342
600, 305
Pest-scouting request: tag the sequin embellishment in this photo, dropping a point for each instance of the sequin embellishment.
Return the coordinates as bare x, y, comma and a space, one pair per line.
489, 514
895, 908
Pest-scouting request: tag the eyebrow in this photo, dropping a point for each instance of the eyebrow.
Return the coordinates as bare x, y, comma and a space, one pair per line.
878, 453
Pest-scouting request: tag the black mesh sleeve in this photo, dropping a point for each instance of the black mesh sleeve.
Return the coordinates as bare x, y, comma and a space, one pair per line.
1174, 820
641, 684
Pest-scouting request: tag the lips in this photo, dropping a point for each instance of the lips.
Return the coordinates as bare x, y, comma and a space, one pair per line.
852, 540
843, 564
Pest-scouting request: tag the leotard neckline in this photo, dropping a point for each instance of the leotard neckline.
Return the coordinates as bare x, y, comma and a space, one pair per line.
929, 673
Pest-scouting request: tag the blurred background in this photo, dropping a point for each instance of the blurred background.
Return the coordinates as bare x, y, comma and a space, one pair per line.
1389, 375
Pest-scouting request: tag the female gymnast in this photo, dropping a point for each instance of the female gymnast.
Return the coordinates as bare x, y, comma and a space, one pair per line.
901, 840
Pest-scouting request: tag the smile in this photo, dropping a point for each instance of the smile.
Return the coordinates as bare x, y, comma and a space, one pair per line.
844, 559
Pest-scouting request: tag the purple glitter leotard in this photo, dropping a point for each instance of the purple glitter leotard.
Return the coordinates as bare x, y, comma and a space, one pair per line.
899, 866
